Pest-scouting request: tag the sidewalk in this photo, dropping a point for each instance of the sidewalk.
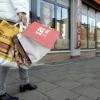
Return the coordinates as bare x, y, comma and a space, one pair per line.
66, 80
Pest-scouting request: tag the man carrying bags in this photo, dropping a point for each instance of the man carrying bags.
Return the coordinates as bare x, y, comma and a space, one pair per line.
14, 11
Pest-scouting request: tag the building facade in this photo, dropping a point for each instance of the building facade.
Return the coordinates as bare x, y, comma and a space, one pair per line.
78, 22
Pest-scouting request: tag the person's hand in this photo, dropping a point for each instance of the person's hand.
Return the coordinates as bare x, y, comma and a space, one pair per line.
22, 18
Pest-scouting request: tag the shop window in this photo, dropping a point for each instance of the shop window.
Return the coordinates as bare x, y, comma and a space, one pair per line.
54, 16
88, 39
84, 27
91, 28
62, 26
84, 32
98, 31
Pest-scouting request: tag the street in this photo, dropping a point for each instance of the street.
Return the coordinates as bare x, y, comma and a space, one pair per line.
63, 80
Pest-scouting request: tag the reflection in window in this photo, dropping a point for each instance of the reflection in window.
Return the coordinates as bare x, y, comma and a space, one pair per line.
98, 35
46, 14
91, 33
84, 32
98, 31
52, 0
88, 27
62, 26
63, 2
91, 28
58, 18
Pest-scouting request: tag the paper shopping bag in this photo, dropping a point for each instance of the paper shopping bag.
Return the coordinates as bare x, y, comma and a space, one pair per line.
7, 32
43, 35
21, 55
37, 40
33, 49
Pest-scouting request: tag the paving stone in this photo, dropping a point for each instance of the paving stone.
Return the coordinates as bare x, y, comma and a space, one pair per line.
48, 69
86, 81
83, 98
55, 76
57, 73
45, 86
13, 89
89, 75
74, 72
88, 91
12, 80
13, 76
96, 84
32, 95
75, 77
39, 74
79, 80
61, 94
35, 80
68, 84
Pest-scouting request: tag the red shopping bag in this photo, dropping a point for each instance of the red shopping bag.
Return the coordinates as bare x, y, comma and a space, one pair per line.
41, 34
37, 40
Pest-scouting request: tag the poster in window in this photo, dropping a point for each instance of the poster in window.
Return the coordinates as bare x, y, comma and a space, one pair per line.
46, 14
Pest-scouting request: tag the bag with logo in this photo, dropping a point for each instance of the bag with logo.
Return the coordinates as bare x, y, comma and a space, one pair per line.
7, 55
37, 40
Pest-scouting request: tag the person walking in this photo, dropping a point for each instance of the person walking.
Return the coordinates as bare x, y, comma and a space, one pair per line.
14, 11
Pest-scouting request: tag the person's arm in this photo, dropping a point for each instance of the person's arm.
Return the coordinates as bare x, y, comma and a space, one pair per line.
22, 9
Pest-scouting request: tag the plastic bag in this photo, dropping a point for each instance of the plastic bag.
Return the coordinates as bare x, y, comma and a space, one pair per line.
7, 57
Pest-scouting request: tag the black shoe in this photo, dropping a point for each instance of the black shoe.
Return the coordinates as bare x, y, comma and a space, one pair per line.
6, 96
27, 87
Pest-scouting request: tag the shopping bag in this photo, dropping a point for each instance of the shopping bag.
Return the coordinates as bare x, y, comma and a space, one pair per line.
7, 31
20, 54
37, 40
45, 36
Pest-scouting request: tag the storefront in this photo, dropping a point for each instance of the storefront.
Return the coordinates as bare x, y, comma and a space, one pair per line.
64, 16
54, 14
90, 38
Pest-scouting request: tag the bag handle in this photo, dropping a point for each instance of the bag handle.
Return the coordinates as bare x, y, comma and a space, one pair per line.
21, 26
